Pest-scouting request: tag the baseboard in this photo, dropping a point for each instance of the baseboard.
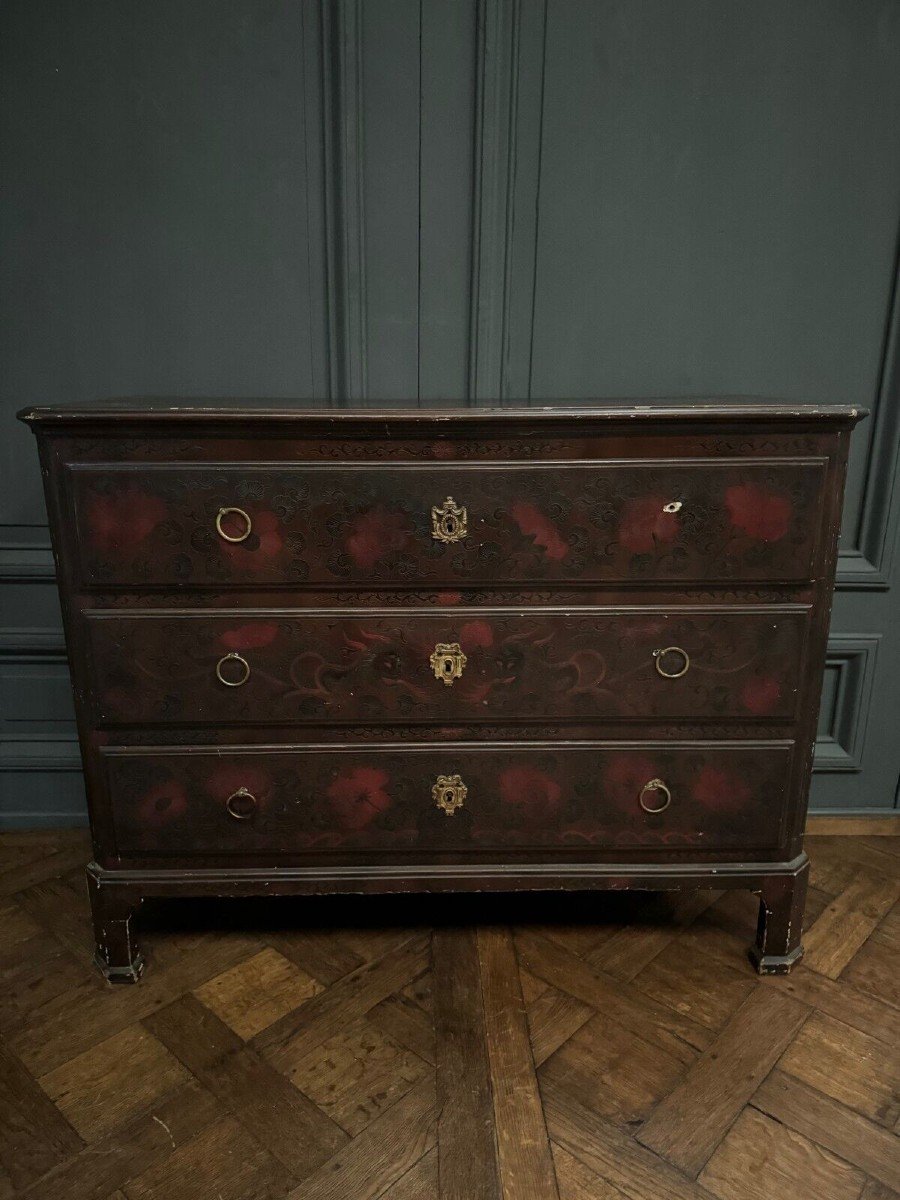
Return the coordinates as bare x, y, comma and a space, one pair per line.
13, 822
854, 825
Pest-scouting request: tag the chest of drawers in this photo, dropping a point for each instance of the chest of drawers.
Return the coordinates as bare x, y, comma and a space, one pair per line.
356, 651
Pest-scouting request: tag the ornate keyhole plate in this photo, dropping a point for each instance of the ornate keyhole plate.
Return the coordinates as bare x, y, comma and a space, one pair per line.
449, 793
448, 661
448, 521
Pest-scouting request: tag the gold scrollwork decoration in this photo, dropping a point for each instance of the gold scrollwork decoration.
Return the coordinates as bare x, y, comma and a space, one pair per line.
447, 662
449, 521
449, 793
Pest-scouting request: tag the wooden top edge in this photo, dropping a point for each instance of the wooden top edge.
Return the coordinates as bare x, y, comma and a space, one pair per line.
159, 411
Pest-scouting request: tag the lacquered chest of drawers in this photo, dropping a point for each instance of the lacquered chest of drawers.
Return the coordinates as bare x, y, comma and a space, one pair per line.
321, 651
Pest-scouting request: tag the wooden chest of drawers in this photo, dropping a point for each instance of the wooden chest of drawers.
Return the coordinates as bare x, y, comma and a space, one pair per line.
336, 651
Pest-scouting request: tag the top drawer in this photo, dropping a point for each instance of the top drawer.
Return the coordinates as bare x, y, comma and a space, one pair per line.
685, 521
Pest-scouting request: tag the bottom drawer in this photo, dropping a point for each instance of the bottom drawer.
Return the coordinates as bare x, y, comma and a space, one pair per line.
265, 801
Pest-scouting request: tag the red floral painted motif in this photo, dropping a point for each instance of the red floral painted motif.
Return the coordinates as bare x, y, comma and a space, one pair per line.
476, 634
358, 796
447, 598
162, 804
760, 695
759, 513
231, 777
717, 789
249, 637
534, 524
375, 534
265, 542
536, 796
643, 524
119, 523
624, 776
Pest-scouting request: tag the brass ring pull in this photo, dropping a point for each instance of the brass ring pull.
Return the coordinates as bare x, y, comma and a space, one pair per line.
658, 655
245, 807
245, 669
673, 506
449, 793
241, 537
655, 785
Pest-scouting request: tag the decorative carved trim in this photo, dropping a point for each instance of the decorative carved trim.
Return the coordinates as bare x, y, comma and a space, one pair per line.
854, 659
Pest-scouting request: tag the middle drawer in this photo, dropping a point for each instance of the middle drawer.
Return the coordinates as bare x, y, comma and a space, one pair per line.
297, 667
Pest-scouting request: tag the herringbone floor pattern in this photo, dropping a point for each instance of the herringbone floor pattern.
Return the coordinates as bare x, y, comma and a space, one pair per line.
523, 1049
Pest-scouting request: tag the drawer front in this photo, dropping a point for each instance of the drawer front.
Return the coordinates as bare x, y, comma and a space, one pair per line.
453, 666
435, 799
683, 521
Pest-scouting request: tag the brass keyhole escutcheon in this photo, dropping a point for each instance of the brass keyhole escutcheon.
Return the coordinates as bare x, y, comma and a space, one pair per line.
449, 521
447, 661
449, 793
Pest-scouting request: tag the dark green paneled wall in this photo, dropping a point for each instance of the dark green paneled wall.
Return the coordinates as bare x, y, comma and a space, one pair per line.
451, 200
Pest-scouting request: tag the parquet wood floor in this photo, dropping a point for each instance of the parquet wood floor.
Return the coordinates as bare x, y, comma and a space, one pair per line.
577, 1048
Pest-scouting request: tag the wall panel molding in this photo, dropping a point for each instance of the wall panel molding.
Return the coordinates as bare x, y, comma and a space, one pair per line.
344, 192
27, 561
851, 662
866, 563
509, 100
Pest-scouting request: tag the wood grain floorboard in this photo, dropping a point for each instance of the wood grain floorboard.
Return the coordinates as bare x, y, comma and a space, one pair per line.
467, 1151
523, 1149
34, 1135
848, 922
636, 1059
279, 1117
690, 1122
837, 1128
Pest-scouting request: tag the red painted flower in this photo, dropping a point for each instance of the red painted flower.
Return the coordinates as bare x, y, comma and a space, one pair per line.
757, 512
249, 637
357, 796
718, 789
449, 597
761, 694
643, 524
535, 794
532, 522
265, 542
375, 534
625, 775
231, 777
476, 633
119, 523
162, 804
